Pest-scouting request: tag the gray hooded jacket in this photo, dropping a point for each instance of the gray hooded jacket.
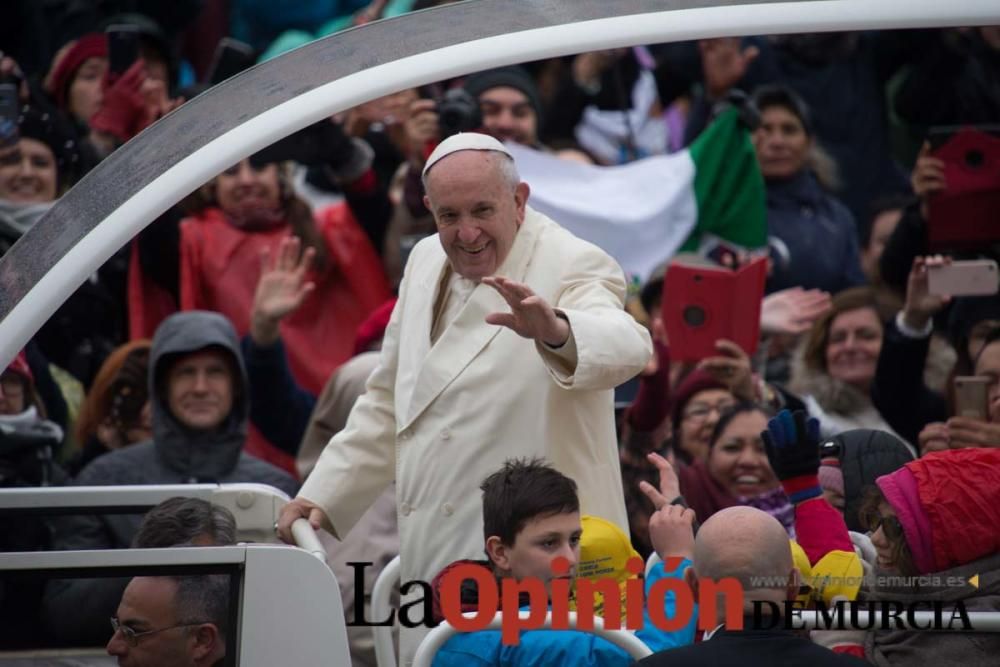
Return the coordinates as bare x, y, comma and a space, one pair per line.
76, 611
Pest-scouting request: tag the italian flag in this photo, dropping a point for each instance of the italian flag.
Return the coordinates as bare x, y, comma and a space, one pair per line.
644, 212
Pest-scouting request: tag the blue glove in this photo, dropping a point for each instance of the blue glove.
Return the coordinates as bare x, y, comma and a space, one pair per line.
792, 445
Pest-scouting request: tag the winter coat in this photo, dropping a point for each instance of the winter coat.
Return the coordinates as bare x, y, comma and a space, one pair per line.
77, 610
956, 82
220, 268
969, 649
838, 406
813, 238
948, 504
439, 418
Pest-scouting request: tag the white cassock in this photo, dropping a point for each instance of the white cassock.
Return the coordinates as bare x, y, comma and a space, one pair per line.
439, 418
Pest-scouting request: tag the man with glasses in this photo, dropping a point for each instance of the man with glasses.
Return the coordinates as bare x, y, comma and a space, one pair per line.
172, 622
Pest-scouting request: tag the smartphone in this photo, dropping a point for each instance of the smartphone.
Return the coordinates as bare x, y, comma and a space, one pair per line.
974, 277
971, 396
9, 107
123, 48
231, 57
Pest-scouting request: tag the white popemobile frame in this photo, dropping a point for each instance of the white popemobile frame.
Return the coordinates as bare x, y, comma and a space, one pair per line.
289, 605
256, 507
286, 585
35, 291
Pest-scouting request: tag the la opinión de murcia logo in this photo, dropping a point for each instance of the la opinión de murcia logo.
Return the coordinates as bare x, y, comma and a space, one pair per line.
513, 597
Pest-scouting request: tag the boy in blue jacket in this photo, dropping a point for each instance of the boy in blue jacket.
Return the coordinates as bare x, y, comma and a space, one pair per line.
531, 516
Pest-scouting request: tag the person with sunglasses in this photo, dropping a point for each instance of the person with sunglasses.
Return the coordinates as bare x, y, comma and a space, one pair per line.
934, 524
176, 621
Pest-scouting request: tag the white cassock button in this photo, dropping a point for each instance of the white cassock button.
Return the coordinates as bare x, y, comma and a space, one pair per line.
447, 509
405, 435
405, 509
446, 434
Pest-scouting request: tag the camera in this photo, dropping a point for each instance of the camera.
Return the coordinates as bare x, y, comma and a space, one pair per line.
26, 453
458, 111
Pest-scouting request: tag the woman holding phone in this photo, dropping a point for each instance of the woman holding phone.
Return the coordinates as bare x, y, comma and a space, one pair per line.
918, 413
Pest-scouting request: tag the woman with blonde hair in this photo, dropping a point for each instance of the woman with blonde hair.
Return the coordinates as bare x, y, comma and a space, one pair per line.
834, 368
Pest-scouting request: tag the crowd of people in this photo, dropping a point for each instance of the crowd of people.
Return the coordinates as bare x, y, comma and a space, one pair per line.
372, 316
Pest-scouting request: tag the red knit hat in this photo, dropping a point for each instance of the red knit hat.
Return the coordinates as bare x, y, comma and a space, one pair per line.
91, 45
20, 366
695, 382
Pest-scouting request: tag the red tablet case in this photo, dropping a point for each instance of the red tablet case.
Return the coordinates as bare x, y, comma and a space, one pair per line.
703, 304
966, 216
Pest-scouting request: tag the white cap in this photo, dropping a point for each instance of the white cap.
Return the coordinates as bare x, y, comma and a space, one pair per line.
465, 141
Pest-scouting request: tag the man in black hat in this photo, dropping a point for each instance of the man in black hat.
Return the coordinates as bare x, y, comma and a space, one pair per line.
508, 99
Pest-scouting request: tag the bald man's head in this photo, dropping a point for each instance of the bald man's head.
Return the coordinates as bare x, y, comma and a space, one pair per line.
748, 545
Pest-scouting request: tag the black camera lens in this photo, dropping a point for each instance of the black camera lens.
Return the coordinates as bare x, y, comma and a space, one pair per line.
694, 316
458, 112
975, 159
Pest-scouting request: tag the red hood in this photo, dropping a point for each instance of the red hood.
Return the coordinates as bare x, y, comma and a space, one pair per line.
960, 492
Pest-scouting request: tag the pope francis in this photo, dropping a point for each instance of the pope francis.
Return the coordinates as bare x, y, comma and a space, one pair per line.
508, 340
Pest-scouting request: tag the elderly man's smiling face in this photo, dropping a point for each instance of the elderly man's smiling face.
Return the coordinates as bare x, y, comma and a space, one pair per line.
478, 208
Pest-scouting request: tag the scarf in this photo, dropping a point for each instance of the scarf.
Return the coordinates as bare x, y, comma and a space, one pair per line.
706, 496
18, 218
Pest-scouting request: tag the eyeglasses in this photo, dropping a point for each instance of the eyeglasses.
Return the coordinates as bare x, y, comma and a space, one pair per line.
700, 411
132, 637
891, 527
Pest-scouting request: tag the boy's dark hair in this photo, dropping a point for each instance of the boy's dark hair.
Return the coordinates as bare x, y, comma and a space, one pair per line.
524, 489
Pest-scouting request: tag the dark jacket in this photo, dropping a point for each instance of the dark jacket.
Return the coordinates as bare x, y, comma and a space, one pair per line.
746, 648
279, 407
76, 611
898, 390
814, 242
955, 82
842, 78
970, 649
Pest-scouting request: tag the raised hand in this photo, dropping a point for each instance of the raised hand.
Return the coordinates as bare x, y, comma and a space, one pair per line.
671, 532
792, 311
281, 289
670, 486
530, 315
421, 129
920, 304
792, 444
731, 368
724, 63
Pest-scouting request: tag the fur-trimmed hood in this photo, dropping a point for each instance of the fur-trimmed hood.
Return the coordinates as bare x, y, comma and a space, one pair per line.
832, 395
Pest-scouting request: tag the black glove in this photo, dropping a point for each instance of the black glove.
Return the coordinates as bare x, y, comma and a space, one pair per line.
792, 444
